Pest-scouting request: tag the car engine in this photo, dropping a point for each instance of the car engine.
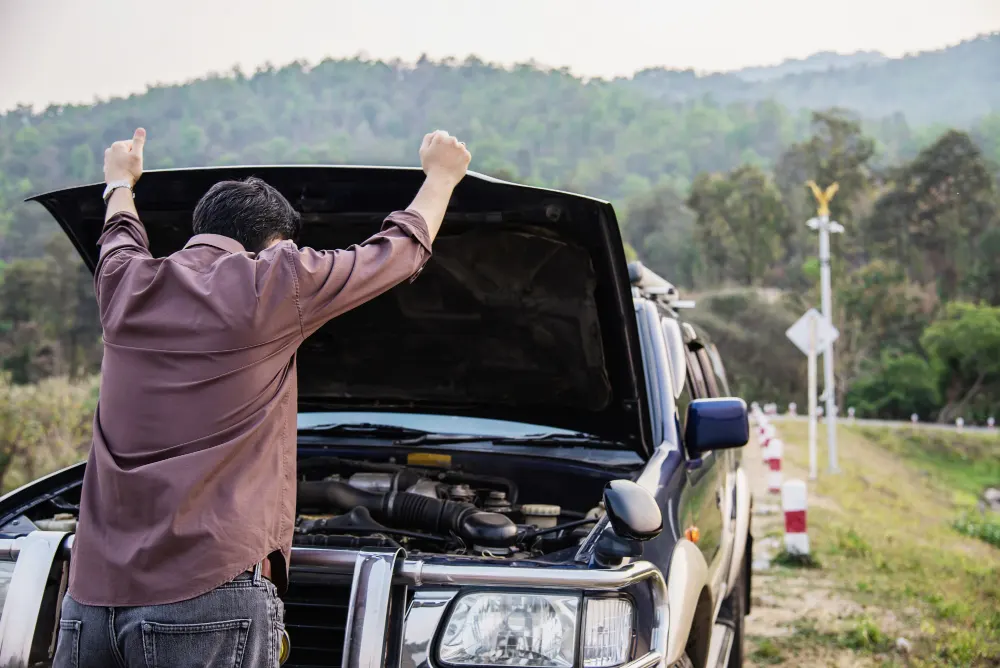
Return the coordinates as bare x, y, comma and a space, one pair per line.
353, 504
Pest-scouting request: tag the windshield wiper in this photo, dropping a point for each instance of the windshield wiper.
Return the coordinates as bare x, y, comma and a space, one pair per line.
557, 438
399, 435
549, 439
365, 429
410, 436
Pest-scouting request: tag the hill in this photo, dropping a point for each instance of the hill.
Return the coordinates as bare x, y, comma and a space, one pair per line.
952, 86
710, 192
611, 139
818, 62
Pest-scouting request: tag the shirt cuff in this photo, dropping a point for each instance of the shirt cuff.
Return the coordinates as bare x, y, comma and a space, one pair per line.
413, 224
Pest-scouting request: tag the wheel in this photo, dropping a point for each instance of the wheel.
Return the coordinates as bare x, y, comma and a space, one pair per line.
737, 607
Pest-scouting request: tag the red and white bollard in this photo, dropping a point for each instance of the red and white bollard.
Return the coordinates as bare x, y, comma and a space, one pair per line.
793, 503
768, 434
775, 449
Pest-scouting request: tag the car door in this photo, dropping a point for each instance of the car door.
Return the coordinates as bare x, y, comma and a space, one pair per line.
726, 463
705, 478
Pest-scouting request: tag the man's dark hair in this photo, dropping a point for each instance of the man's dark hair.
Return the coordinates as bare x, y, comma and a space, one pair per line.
250, 211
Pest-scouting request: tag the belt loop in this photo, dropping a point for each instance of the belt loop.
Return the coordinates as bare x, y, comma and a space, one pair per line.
257, 573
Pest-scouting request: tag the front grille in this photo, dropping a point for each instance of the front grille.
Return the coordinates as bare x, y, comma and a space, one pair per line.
316, 606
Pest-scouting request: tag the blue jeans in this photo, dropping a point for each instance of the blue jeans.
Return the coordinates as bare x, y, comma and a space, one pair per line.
238, 625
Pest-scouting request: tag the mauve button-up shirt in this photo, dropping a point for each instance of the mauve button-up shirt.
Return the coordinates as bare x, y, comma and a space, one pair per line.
191, 474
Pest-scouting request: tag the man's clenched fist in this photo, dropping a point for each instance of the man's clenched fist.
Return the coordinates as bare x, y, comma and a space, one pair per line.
123, 160
443, 156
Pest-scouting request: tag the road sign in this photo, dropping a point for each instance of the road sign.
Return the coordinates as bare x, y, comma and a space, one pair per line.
799, 332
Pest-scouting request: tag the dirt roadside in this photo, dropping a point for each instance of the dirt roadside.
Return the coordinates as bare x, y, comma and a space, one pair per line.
792, 610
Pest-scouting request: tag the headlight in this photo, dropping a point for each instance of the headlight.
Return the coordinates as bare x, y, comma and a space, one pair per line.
6, 574
535, 631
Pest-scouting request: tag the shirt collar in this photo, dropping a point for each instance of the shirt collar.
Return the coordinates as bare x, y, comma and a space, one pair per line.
219, 241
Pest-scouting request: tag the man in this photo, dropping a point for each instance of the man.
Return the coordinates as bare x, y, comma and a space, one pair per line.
188, 501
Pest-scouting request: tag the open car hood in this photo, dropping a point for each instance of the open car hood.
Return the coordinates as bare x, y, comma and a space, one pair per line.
523, 313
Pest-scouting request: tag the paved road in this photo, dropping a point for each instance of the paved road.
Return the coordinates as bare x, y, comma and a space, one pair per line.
892, 424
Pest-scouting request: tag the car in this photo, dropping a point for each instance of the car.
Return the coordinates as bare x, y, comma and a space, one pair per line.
524, 457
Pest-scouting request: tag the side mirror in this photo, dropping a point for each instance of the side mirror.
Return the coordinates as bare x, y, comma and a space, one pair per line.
716, 424
632, 511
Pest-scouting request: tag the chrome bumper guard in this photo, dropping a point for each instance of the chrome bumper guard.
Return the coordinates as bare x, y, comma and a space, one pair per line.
41, 555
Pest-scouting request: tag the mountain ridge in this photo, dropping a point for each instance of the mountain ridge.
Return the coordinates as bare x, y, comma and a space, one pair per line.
955, 85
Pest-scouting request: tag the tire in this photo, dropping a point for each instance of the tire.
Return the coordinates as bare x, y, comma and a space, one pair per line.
737, 606
683, 662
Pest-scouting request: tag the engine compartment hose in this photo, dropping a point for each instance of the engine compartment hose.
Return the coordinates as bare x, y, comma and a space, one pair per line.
413, 511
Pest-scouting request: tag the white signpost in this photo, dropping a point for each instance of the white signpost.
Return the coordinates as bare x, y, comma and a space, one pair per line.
812, 334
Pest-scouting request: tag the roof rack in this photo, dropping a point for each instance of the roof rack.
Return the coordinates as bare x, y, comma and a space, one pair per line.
652, 286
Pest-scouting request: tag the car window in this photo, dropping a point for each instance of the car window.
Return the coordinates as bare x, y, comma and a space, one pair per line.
720, 371
696, 377
708, 371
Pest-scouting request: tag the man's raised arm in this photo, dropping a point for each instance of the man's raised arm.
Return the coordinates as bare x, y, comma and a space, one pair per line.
122, 168
445, 161
123, 236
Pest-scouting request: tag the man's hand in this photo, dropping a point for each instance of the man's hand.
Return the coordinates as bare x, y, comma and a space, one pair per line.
123, 160
445, 161
444, 157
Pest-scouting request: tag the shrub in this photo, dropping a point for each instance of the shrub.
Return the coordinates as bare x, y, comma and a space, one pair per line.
43, 427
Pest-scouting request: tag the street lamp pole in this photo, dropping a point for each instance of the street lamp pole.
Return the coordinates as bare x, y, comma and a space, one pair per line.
825, 226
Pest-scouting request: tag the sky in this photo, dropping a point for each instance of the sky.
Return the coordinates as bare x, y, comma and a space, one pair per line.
70, 51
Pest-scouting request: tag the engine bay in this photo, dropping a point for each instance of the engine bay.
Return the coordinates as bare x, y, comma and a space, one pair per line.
353, 504
486, 505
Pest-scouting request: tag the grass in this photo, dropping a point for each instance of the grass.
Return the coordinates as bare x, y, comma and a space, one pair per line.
898, 530
767, 653
961, 465
794, 560
981, 526
866, 635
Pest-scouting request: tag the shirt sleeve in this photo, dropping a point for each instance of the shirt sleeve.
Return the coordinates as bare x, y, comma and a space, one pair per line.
123, 239
329, 283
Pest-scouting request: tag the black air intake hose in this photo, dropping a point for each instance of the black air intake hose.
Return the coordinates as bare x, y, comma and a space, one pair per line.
414, 511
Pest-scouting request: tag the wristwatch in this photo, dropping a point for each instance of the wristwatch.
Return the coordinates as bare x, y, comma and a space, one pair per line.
115, 185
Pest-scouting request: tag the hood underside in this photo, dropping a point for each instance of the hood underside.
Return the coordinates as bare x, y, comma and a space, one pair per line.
523, 313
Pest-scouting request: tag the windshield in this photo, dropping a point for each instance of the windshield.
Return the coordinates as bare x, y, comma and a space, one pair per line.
436, 424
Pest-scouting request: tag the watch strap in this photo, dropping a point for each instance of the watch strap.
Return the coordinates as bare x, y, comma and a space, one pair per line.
115, 185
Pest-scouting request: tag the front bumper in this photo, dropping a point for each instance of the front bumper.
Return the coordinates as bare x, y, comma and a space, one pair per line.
396, 603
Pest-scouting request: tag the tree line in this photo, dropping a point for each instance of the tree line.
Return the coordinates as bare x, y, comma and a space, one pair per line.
917, 295
710, 193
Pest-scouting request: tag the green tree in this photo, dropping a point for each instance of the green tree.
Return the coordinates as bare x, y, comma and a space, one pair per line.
82, 164
895, 388
661, 229
740, 220
838, 151
937, 210
965, 346
880, 310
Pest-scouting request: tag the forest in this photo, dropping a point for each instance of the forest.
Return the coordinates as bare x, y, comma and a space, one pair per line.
707, 175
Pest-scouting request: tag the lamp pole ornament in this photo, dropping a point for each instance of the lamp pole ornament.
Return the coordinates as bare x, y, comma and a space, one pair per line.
825, 226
